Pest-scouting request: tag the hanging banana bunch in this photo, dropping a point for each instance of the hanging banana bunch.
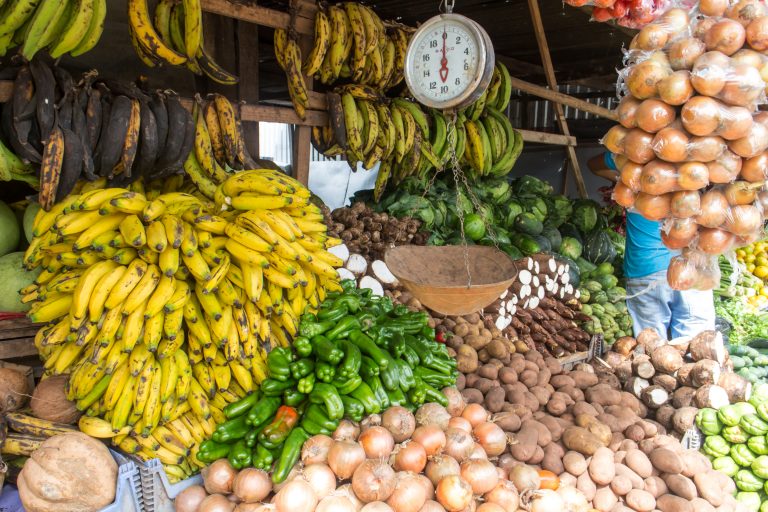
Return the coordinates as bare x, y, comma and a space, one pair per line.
162, 306
409, 141
62, 26
173, 36
287, 48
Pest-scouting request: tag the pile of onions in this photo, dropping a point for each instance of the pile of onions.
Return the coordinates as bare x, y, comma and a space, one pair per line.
689, 128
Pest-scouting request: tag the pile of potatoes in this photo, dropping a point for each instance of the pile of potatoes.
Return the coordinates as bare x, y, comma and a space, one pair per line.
579, 425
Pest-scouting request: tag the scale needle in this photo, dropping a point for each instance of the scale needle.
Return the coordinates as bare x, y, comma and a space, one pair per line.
444, 60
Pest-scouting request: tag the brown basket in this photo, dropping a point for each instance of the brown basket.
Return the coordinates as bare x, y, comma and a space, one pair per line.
437, 276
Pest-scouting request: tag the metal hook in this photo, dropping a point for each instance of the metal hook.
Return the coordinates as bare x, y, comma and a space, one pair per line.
446, 6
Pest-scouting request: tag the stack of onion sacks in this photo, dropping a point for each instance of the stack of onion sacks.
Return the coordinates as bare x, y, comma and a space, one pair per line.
691, 146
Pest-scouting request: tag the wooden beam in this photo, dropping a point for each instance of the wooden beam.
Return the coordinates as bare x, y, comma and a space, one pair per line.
549, 70
247, 42
519, 67
548, 138
262, 15
563, 99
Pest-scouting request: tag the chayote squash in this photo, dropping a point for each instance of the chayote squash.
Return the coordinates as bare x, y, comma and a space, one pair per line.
758, 444
726, 465
759, 394
708, 422
742, 455
716, 446
762, 411
750, 501
753, 425
759, 466
734, 434
730, 415
747, 481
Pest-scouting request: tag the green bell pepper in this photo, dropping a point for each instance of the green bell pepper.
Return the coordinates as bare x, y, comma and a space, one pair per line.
302, 368
365, 395
272, 387
368, 368
290, 454
324, 371
327, 395
211, 451
302, 346
278, 363
316, 413
263, 410
350, 365
396, 397
326, 350
369, 348
378, 390
343, 328
407, 380
239, 455
293, 398
346, 386
310, 329
734, 434
708, 422
411, 357
747, 481
434, 395
437, 379
242, 406
306, 384
753, 425
742, 455
231, 430
313, 428
726, 465
350, 302
353, 409
262, 458
332, 314
418, 393
427, 355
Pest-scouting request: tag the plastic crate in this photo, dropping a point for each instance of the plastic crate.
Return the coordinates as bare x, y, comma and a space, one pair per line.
157, 492
128, 495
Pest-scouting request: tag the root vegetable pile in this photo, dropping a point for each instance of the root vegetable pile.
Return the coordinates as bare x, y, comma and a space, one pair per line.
370, 234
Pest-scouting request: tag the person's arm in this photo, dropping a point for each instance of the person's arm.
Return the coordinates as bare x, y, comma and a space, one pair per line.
597, 166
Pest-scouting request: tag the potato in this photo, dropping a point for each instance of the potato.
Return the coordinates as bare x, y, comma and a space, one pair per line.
524, 442
507, 421
567, 480
537, 457
683, 419
695, 463
726, 483
603, 394
601, 467
641, 501
702, 505
666, 461
604, 499
542, 394
581, 440
484, 385
471, 379
708, 488
554, 427
461, 330
488, 371
616, 439
472, 395
621, 485
585, 484
650, 428
561, 381
627, 445
574, 463
622, 470
631, 402
656, 486
634, 432
639, 462
543, 377
519, 409
583, 380
461, 381
544, 436
575, 393
596, 427
494, 399
530, 401
467, 360
553, 458
517, 363
672, 503
507, 376
529, 377
584, 408
553, 365
476, 342
681, 486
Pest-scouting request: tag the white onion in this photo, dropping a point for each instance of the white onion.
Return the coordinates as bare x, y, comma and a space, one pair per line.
441, 466
347, 430
525, 478
296, 496
321, 478
400, 422
251, 485
344, 457
377, 506
377, 442
216, 503
455, 494
545, 501
433, 414
456, 403
335, 504
431, 437
573, 499
480, 474
316, 448
218, 477
491, 437
504, 494
409, 494
459, 444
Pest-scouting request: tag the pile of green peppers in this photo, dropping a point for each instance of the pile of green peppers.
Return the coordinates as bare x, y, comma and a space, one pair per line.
357, 356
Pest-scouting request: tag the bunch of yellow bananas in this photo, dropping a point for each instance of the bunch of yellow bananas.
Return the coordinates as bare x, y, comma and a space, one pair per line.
73, 26
219, 145
162, 306
174, 37
407, 140
351, 43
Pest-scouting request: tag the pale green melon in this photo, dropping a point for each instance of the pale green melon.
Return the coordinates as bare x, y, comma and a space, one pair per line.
29, 219
13, 277
10, 234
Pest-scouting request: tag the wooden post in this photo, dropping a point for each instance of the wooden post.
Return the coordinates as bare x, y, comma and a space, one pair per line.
302, 151
248, 72
549, 71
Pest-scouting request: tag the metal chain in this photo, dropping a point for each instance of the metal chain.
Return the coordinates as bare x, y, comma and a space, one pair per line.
458, 176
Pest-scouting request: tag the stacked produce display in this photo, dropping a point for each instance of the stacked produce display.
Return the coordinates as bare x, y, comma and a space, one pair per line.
628, 13
161, 307
691, 143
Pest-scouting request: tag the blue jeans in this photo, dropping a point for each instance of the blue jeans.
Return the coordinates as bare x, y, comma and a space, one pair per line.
672, 313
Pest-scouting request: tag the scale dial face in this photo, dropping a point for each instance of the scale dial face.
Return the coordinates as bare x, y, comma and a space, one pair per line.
449, 62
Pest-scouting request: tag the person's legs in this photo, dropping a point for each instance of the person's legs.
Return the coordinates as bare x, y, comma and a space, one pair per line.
649, 303
693, 311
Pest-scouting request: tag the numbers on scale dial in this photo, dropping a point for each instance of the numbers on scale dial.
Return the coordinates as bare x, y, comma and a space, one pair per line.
445, 62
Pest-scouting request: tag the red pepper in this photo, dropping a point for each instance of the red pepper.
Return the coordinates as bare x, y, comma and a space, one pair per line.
440, 337
276, 432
